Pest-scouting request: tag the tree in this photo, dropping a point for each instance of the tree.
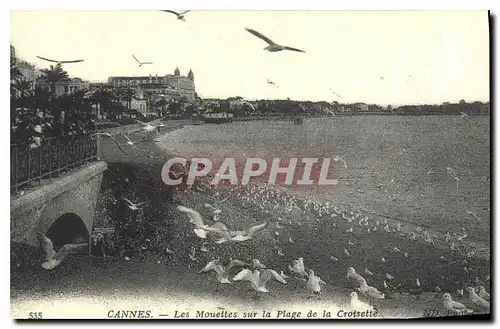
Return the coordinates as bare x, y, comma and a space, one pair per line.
53, 76
126, 94
107, 100
22, 88
15, 72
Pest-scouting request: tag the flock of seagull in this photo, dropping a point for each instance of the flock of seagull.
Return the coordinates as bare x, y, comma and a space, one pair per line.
271, 45
270, 199
474, 300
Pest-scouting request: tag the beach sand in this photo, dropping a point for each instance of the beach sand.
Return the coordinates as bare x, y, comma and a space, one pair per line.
165, 255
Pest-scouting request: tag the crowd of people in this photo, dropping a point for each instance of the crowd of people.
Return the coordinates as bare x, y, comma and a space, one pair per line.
33, 126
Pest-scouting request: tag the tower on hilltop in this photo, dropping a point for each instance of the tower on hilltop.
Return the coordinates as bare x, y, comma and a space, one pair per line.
191, 75
177, 72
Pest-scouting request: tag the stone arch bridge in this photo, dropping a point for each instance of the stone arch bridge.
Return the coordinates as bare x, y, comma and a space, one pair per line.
63, 209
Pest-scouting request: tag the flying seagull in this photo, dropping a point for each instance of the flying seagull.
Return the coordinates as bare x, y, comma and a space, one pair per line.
219, 228
110, 136
273, 47
146, 126
134, 206
272, 83
129, 141
60, 62
180, 16
53, 259
334, 93
141, 63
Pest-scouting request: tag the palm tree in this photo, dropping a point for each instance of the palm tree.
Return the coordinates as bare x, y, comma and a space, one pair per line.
53, 76
107, 100
126, 94
22, 88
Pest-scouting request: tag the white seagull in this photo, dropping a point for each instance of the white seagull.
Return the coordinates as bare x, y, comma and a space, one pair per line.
273, 47
146, 126
214, 210
60, 62
242, 235
354, 278
129, 141
134, 206
313, 283
53, 259
334, 93
482, 293
180, 16
370, 291
298, 267
477, 303
200, 228
109, 136
258, 279
222, 273
358, 305
272, 83
337, 159
219, 228
453, 306
141, 63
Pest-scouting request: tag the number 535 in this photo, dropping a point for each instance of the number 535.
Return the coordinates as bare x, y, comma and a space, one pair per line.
35, 315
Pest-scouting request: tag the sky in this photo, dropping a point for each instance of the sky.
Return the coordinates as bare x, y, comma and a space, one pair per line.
398, 57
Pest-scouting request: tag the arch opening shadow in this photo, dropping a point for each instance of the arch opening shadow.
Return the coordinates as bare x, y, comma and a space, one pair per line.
68, 228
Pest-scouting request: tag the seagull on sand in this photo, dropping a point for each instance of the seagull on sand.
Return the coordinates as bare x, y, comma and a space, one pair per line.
354, 278
109, 136
222, 273
141, 63
180, 16
53, 259
273, 47
453, 306
337, 159
370, 291
417, 290
60, 62
473, 214
134, 206
482, 293
214, 210
477, 303
258, 279
298, 267
358, 305
313, 283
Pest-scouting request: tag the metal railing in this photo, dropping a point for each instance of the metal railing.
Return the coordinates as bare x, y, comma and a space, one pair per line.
55, 156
